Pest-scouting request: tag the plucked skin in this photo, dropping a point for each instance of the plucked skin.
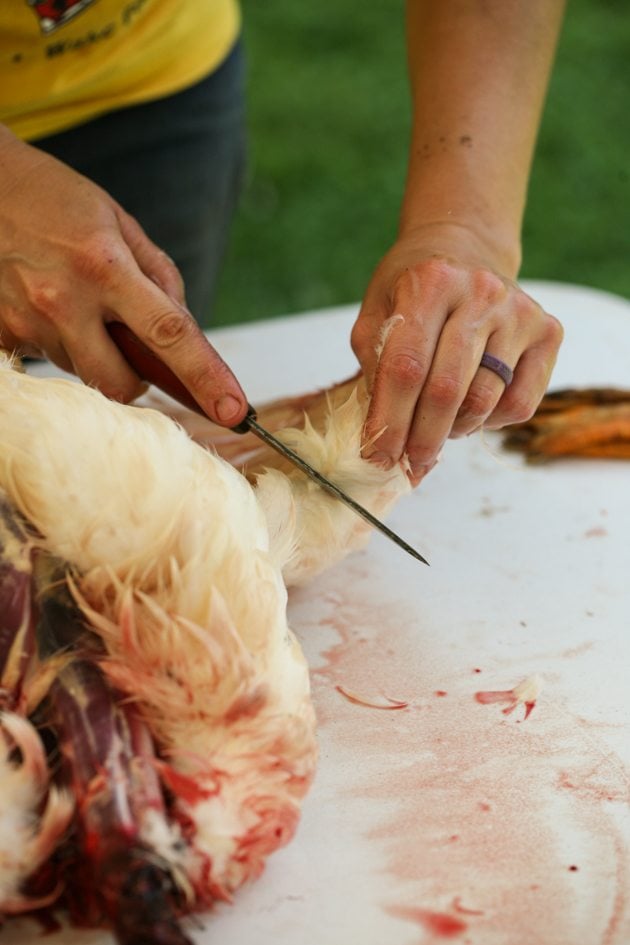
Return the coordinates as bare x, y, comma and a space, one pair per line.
179, 564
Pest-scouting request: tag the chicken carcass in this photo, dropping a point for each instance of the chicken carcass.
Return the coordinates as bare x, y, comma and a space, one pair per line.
166, 569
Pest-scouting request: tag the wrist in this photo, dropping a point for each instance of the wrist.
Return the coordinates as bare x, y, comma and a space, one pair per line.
467, 240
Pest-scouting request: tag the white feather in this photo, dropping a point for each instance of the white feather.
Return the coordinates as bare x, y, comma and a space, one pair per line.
181, 566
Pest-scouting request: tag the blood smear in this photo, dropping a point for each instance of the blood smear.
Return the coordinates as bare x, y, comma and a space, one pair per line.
438, 923
455, 820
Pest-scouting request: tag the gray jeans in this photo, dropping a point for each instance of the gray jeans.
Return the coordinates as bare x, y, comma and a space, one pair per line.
176, 165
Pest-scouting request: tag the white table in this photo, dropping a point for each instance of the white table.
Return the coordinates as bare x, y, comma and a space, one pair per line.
449, 820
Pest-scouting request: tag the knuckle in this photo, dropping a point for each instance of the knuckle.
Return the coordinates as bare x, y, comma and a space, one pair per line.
102, 260
360, 337
525, 308
437, 270
555, 332
50, 299
407, 371
519, 409
478, 402
442, 391
168, 327
525, 303
488, 286
101, 257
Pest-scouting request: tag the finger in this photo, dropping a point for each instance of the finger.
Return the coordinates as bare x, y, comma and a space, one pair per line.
172, 334
486, 388
408, 345
533, 329
94, 358
152, 261
43, 341
460, 347
521, 398
419, 294
59, 356
416, 476
400, 374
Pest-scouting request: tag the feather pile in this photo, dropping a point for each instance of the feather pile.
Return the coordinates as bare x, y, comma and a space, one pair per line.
157, 735
589, 423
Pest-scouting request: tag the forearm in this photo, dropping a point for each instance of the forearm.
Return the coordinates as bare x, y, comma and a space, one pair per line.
479, 71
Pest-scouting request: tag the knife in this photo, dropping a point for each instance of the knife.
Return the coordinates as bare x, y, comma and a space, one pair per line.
150, 368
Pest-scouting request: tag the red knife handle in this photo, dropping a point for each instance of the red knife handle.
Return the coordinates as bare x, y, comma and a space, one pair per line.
150, 368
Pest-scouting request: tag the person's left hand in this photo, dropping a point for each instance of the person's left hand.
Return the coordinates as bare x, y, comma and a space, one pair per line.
434, 305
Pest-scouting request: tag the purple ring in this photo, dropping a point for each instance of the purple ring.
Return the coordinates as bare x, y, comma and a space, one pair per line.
497, 366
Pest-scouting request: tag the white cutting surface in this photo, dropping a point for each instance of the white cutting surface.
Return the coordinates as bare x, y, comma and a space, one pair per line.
449, 820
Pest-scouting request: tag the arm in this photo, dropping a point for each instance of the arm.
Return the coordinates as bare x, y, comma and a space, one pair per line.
479, 72
71, 259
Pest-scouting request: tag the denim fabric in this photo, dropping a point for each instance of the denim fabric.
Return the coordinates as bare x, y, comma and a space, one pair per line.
176, 165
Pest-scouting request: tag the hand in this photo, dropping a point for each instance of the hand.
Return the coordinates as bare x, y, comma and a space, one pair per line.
72, 260
434, 305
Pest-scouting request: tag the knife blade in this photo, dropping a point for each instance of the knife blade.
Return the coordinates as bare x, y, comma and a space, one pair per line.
149, 367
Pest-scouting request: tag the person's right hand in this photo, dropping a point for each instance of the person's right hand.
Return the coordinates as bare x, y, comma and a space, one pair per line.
72, 260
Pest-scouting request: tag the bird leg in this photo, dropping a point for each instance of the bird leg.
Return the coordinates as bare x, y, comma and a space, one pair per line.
33, 814
107, 759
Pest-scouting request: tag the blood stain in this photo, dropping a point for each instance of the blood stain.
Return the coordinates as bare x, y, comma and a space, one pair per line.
452, 760
438, 923
596, 532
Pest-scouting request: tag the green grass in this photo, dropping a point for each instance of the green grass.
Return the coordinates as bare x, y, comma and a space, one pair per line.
577, 226
329, 123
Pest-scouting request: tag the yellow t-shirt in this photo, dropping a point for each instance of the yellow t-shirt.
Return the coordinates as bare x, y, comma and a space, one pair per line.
62, 63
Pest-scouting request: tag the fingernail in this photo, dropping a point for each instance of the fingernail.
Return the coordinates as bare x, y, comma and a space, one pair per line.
228, 409
417, 474
381, 459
